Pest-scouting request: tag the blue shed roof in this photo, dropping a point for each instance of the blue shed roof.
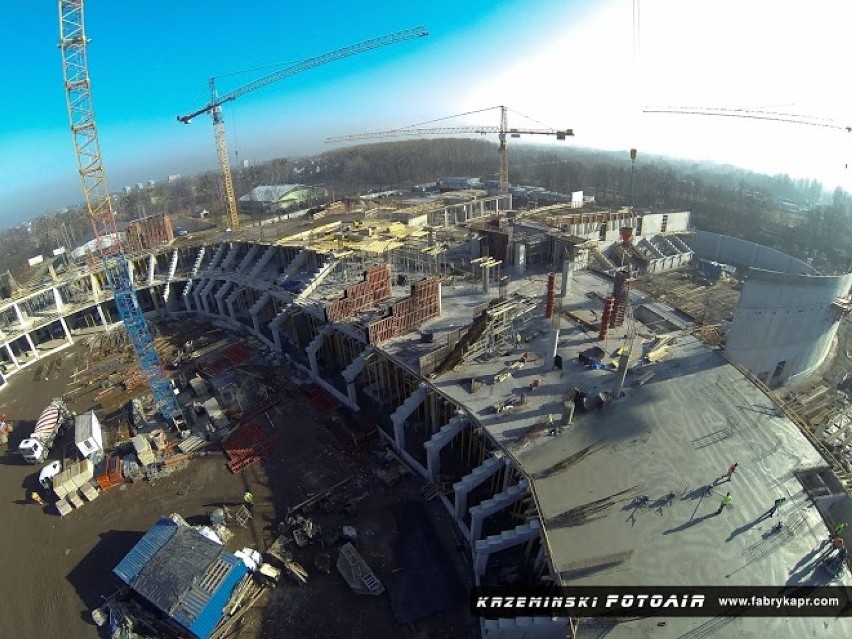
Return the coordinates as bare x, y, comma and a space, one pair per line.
145, 549
183, 574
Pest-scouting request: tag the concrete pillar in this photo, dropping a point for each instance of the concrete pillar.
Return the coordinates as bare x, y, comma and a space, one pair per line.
52, 272
102, 315
621, 373
499, 502
57, 298
438, 441
20, 315
507, 539
567, 276
12, 356
440, 304
65, 330
404, 411
313, 348
220, 297
351, 373
553, 347
152, 267
32, 345
466, 484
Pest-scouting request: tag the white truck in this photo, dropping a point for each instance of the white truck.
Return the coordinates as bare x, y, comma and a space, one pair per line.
50, 425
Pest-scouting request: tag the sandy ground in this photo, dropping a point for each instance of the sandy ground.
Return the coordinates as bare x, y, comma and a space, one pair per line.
55, 570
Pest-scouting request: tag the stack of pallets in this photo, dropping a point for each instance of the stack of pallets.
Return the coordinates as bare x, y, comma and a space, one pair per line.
247, 446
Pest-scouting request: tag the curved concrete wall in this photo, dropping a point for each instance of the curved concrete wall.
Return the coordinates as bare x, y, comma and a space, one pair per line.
784, 324
732, 250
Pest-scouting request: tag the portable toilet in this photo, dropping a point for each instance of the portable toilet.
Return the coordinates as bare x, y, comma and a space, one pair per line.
88, 436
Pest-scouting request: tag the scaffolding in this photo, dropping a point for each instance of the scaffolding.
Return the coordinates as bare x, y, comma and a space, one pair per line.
504, 321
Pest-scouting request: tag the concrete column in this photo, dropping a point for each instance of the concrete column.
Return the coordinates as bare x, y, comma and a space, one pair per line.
499, 502
440, 303
20, 315
32, 345
102, 315
553, 346
620, 374
313, 348
567, 276
404, 411
220, 297
57, 298
12, 356
152, 267
466, 484
438, 441
65, 330
351, 373
507, 539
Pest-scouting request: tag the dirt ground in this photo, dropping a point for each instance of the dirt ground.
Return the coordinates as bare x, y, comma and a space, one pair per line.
55, 570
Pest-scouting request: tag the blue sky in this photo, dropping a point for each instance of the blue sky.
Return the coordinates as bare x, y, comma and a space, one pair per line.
568, 64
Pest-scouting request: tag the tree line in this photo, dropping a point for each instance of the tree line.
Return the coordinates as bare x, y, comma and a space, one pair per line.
795, 216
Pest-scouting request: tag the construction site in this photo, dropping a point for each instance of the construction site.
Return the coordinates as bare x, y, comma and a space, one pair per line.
344, 430
508, 381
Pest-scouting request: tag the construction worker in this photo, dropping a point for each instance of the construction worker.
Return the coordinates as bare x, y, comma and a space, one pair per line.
248, 499
775, 506
731, 470
37, 498
839, 528
726, 500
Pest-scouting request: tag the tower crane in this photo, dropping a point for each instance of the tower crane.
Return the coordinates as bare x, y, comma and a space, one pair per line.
503, 132
750, 114
214, 107
73, 43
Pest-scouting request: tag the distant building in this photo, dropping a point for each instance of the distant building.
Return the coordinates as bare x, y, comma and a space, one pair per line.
262, 199
174, 178
458, 183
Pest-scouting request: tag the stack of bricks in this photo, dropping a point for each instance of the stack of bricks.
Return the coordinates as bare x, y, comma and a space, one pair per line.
374, 288
408, 314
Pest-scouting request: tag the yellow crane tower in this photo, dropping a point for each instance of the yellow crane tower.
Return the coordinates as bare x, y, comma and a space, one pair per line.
503, 132
214, 107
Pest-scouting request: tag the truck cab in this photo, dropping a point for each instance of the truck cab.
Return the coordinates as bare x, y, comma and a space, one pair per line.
45, 477
32, 450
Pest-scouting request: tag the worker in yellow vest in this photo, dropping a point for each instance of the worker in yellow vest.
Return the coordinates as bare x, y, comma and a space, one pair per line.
726, 500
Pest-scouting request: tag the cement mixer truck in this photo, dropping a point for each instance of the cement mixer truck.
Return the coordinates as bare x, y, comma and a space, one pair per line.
50, 425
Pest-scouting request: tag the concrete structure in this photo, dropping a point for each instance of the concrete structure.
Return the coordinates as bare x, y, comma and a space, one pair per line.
279, 196
149, 232
787, 316
483, 396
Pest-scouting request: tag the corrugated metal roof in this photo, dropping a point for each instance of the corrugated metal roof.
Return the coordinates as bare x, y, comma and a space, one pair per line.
183, 574
150, 544
207, 620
